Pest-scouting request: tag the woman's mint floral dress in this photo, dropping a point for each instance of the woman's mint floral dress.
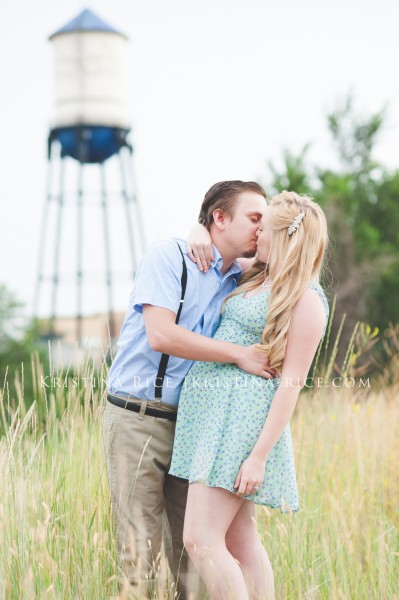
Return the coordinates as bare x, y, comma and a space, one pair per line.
222, 411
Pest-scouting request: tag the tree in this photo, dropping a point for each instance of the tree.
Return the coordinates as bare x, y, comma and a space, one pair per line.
360, 200
18, 341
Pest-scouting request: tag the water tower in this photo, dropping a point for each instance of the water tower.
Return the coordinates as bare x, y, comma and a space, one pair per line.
90, 131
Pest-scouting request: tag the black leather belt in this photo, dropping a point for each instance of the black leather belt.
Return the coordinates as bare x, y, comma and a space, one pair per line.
152, 412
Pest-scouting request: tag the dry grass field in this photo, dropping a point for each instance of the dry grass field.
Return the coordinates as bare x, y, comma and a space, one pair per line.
55, 511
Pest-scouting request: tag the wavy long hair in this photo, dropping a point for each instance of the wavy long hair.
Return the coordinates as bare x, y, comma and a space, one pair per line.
294, 261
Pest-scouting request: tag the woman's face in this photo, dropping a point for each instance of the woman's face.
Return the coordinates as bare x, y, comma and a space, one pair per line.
264, 235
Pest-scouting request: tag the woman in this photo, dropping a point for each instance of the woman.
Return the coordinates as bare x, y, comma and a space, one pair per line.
233, 439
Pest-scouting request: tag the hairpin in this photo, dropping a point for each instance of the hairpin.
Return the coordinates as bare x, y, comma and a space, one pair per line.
295, 223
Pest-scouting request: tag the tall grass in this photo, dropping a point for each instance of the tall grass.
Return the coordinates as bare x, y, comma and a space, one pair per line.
344, 542
55, 520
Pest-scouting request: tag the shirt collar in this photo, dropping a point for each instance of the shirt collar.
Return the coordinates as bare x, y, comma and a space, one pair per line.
217, 263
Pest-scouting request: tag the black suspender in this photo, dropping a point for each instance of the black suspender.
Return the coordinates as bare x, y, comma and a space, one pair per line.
165, 357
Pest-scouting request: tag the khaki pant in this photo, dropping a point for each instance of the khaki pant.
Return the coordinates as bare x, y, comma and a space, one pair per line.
146, 500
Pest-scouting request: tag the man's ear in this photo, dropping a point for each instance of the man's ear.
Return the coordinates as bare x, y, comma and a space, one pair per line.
219, 218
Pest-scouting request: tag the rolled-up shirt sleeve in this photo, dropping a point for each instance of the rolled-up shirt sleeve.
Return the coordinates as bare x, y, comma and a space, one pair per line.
158, 278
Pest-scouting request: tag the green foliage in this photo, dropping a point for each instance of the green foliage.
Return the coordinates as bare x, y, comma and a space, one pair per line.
9, 308
295, 175
382, 298
354, 136
18, 342
361, 201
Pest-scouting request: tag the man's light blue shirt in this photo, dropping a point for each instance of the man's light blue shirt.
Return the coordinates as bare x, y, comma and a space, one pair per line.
158, 282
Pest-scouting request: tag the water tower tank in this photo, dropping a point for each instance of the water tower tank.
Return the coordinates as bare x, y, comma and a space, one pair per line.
90, 88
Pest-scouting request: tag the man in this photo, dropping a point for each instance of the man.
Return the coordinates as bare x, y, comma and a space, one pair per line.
148, 372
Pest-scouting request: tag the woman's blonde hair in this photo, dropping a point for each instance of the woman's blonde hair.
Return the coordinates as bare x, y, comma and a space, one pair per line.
295, 260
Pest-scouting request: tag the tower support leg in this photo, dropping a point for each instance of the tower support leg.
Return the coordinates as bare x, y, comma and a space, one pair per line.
107, 247
56, 263
129, 224
43, 236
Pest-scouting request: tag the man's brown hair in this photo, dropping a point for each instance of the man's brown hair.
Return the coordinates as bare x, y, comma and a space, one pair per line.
223, 195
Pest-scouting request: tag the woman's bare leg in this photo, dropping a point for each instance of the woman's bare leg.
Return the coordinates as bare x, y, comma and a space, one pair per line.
209, 513
244, 543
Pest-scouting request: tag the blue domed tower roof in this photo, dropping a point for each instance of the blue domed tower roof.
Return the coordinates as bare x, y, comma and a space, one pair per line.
86, 21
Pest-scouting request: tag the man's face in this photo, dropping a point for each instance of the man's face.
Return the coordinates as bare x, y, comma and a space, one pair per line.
240, 230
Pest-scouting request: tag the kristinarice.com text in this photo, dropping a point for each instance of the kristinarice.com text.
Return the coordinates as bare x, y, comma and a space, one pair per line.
137, 382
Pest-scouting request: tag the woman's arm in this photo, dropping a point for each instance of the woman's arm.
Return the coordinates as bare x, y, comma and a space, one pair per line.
199, 247
306, 328
200, 250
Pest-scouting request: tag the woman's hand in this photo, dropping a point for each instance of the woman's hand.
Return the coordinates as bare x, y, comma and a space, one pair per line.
250, 476
199, 247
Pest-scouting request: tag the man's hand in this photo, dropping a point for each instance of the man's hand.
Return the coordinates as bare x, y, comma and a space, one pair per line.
255, 362
250, 476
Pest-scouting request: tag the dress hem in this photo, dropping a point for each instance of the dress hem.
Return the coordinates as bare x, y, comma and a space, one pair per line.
253, 499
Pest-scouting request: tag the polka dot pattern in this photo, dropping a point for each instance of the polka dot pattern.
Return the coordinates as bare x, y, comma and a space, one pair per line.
222, 410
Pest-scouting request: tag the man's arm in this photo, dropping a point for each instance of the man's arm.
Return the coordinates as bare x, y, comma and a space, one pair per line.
165, 336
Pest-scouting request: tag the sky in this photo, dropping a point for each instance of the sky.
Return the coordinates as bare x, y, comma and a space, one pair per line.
217, 89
